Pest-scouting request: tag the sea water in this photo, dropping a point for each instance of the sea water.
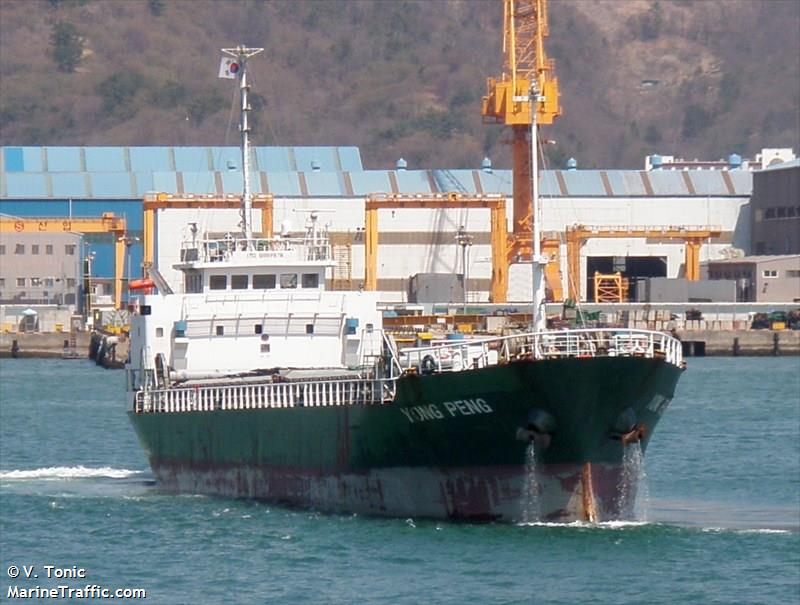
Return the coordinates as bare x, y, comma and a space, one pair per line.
77, 499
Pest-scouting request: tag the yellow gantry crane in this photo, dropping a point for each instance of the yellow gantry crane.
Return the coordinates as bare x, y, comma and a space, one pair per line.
107, 223
527, 71
165, 201
693, 237
496, 204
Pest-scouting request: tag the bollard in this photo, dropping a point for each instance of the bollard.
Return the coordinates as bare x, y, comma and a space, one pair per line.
775, 341
736, 346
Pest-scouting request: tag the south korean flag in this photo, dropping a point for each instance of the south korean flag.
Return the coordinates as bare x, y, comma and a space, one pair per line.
228, 68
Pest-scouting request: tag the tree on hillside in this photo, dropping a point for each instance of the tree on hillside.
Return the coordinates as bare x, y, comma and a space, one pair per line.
156, 7
118, 92
66, 46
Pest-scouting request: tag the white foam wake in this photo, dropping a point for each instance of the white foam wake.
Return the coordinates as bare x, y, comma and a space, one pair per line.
68, 472
588, 525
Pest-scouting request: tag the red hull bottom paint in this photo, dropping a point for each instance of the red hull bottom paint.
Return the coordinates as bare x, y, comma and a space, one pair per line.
481, 494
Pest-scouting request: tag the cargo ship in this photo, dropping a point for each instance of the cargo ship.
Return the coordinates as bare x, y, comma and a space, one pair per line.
255, 381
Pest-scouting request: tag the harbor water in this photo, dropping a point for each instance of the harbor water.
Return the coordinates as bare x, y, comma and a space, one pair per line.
720, 524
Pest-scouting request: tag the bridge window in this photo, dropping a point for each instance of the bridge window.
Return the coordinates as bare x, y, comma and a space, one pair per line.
288, 280
311, 280
218, 282
769, 273
263, 282
239, 282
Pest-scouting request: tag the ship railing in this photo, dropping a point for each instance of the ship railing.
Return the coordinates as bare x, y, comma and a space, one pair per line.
455, 356
232, 247
320, 393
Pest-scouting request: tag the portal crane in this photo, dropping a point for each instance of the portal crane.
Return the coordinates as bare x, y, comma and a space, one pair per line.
107, 223
526, 72
693, 237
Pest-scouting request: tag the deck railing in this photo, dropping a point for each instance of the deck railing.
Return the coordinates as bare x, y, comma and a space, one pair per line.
444, 356
605, 342
208, 398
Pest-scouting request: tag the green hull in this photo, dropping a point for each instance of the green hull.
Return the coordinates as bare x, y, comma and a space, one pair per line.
451, 445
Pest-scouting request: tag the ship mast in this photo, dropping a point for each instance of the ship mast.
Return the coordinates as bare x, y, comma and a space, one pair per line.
242, 54
539, 316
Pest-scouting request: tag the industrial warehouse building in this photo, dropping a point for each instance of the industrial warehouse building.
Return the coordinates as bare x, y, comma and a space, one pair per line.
87, 181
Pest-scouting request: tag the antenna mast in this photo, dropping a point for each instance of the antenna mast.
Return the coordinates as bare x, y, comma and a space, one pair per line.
241, 54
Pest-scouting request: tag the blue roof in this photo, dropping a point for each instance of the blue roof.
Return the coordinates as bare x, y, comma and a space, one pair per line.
583, 182
64, 159
370, 181
413, 181
105, 159
127, 173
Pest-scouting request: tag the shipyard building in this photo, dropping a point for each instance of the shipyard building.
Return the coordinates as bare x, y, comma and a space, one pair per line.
629, 221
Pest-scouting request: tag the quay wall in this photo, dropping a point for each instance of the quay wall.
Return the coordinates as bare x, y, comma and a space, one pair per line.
720, 343
43, 344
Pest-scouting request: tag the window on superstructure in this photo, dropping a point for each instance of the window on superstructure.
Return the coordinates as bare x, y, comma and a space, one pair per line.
159, 332
20, 282
263, 282
288, 280
239, 282
218, 282
69, 249
2, 248
19, 249
34, 249
258, 328
36, 282
48, 281
220, 331
309, 328
193, 282
310, 280
48, 249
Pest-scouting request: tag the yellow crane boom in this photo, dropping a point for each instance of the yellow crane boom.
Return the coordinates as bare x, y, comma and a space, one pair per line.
527, 71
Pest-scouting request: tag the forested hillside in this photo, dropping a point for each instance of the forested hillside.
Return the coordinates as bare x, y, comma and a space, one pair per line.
398, 78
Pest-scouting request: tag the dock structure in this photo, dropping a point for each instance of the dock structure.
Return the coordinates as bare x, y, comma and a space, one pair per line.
332, 180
